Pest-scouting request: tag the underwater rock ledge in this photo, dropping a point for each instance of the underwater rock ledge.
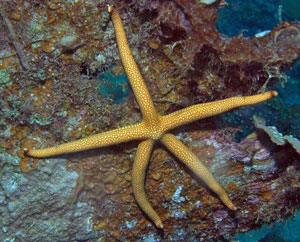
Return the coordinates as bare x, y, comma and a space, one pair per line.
87, 196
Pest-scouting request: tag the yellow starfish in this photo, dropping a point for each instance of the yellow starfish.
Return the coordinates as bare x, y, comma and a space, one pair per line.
154, 127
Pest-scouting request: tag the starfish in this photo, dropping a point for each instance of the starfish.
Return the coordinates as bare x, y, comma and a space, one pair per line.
153, 127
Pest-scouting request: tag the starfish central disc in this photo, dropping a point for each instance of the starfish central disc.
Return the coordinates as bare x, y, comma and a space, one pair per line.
156, 133
155, 129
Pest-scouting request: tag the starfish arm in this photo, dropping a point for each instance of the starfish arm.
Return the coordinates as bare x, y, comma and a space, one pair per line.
140, 164
205, 110
136, 131
193, 163
135, 78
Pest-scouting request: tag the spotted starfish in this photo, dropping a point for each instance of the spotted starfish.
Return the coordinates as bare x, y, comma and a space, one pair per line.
152, 128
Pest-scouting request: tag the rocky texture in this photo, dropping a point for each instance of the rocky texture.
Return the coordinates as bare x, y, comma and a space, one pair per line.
38, 206
184, 60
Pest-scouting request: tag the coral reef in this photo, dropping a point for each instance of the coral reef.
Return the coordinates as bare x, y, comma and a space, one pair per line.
210, 62
185, 60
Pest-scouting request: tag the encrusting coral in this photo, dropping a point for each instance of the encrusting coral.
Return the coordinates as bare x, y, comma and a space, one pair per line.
154, 127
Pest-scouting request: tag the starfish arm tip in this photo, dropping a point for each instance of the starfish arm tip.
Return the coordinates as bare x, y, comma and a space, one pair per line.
274, 93
30, 153
225, 199
27, 151
110, 8
159, 224
232, 207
